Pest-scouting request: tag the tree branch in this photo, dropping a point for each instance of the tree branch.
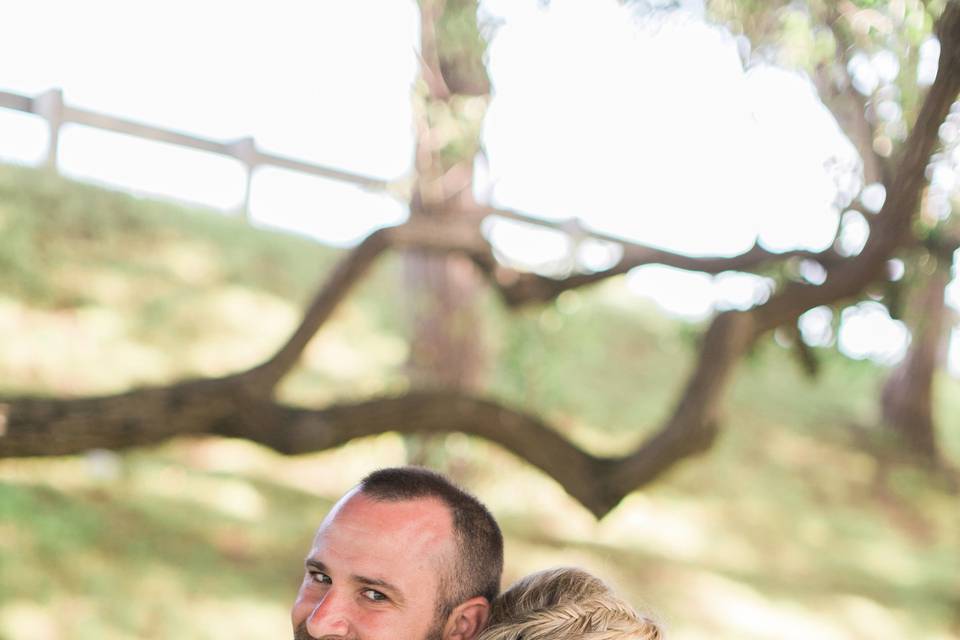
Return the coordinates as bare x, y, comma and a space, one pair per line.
693, 426
262, 379
891, 228
37, 426
519, 288
849, 106
429, 412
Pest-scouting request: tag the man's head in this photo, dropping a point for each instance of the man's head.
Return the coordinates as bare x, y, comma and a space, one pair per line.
405, 555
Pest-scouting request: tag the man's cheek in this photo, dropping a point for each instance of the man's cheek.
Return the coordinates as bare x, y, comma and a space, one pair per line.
384, 623
301, 609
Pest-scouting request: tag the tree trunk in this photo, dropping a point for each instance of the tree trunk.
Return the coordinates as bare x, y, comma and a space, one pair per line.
907, 396
446, 345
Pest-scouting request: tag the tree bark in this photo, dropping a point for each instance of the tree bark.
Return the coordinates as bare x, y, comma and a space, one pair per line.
907, 396
446, 343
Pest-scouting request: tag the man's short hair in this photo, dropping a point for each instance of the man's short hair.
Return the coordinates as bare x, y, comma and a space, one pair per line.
478, 564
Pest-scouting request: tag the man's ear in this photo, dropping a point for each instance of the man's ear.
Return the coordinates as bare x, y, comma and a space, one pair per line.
467, 620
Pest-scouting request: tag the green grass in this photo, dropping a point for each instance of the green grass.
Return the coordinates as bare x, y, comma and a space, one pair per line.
800, 522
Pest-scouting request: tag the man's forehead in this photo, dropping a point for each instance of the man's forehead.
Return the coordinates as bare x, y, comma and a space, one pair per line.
418, 522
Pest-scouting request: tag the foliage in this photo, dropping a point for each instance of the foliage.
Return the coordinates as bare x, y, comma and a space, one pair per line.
797, 523
60, 226
461, 46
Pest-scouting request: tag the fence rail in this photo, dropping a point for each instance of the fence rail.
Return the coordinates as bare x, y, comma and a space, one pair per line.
51, 107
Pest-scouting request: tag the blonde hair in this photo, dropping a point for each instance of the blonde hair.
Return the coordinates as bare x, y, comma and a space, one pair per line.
565, 604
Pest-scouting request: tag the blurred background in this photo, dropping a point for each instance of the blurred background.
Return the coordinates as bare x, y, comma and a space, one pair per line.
178, 179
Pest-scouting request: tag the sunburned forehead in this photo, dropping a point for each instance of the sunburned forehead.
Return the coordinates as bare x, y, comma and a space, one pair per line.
359, 509
366, 533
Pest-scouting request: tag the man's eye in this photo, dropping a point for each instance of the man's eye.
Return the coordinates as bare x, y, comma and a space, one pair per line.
375, 596
321, 578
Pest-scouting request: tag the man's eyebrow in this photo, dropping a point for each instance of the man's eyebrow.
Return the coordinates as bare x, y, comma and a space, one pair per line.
375, 582
310, 563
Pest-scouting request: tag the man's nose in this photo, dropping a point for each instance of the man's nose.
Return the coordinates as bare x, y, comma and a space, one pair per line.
330, 616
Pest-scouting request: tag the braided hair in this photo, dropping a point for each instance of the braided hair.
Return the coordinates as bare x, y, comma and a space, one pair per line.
565, 604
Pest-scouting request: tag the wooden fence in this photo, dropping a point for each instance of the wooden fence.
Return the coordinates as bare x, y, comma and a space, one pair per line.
51, 107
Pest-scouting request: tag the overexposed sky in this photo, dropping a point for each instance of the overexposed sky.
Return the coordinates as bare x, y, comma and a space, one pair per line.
652, 131
327, 82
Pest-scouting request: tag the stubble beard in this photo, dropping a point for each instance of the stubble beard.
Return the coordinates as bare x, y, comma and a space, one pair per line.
300, 633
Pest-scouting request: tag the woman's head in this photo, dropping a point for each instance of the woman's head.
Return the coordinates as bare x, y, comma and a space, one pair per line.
565, 604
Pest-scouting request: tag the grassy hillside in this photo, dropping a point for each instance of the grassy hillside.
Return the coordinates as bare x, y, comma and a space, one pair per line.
801, 522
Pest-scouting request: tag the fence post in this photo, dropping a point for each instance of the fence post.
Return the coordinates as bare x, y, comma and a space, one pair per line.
576, 234
245, 150
49, 105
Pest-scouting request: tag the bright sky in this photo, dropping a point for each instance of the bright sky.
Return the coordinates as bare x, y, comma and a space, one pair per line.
652, 132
